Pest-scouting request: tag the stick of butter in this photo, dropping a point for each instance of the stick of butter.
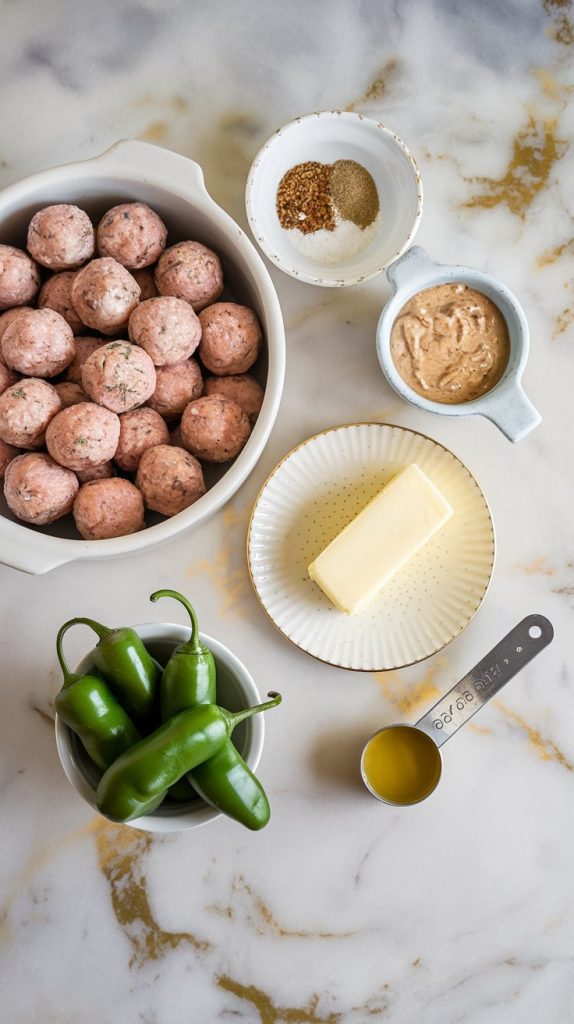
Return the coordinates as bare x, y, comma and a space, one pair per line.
356, 565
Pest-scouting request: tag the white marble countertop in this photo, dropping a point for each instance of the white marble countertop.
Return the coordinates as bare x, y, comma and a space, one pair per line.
341, 911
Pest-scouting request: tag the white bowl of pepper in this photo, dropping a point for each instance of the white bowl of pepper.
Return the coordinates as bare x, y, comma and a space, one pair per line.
334, 198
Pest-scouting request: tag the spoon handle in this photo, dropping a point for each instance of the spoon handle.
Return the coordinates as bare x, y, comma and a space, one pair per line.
483, 681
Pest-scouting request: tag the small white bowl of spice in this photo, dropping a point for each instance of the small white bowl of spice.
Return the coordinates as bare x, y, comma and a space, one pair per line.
334, 198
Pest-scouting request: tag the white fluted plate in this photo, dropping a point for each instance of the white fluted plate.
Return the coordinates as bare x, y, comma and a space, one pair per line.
313, 493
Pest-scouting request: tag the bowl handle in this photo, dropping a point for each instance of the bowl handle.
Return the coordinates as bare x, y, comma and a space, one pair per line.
33, 555
414, 262
513, 413
176, 171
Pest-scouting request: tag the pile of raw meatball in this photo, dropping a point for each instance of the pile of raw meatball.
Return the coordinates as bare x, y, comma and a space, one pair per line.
104, 410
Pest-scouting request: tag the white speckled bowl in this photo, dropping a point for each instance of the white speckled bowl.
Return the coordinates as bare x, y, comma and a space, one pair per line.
325, 137
174, 186
506, 404
235, 690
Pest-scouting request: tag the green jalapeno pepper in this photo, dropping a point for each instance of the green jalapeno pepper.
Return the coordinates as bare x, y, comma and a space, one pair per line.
132, 673
187, 679
87, 706
225, 781
138, 780
189, 676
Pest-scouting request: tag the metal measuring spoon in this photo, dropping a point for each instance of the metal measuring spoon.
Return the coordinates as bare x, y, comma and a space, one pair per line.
420, 742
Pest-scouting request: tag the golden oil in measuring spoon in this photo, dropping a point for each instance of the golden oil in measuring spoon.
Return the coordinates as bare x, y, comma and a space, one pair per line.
402, 764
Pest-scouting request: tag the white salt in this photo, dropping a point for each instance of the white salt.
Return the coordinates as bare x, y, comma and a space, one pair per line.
344, 242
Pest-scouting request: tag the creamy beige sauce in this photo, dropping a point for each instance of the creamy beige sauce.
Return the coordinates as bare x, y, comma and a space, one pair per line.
450, 343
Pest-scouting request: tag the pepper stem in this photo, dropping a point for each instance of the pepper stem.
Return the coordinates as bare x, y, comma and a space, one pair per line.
101, 631
194, 643
239, 716
69, 677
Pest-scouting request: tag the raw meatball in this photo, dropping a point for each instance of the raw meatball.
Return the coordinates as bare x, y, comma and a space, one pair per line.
19, 277
146, 281
103, 472
166, 328
56, 293
83, 435
108, 508
61, 237
243, 389
230, 338
84, 348
7, 376
39, 343
70, 393
140, 429
104, 294
176, 386
10, 315
190, 271
214, 428
170, 479
132, 234
7, 453
38, 490
119, 375
26, 408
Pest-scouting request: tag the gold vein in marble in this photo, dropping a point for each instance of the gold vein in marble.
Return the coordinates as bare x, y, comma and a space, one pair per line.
562, 24
174, 101
543, 567
450, 157
546, 749
231, 584
121, 852
384, 414
535, 150
552, 255
233, 516
261, 918
240, 121
538, 566
550, 86
563, 321
269, 1013
156, 131
179, 103
480, 730
378, 85
226, 154
230, 580
410, 697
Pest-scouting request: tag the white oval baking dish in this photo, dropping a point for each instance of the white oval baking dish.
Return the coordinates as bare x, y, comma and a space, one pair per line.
173, 186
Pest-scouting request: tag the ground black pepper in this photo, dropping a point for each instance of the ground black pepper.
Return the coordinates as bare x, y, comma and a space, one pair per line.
354, 193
